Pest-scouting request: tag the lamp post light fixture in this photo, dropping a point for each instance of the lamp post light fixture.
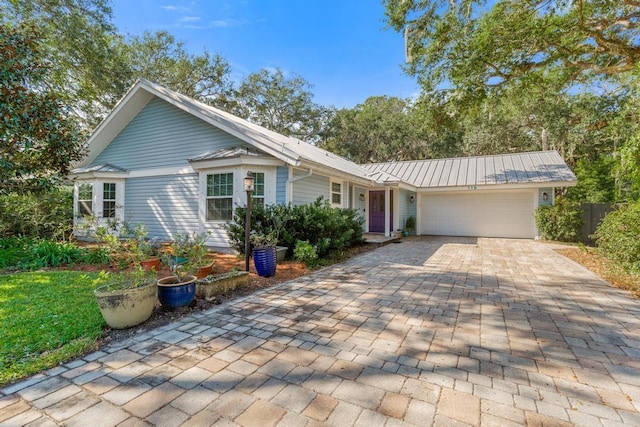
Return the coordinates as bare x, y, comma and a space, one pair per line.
248, 187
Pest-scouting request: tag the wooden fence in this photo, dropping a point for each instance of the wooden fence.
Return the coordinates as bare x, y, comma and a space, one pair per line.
592, 214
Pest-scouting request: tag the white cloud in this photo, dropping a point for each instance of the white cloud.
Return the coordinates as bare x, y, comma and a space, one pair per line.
221, 23
169, 7
190, 19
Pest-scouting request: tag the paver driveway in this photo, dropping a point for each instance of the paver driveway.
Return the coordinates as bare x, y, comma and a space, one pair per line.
430, 331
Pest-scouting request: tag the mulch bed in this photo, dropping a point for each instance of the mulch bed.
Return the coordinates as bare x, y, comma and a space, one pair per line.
592, 260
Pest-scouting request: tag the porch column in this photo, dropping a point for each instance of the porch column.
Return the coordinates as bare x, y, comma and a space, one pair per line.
387, 211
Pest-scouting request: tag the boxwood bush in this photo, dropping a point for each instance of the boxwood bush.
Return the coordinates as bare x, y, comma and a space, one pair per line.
327, 229
561, 221
618, 236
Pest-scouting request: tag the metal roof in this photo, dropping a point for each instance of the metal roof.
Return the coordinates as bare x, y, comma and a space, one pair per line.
521, 168
226, 153
102, 167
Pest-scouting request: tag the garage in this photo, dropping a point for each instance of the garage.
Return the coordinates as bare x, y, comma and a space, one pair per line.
490, 213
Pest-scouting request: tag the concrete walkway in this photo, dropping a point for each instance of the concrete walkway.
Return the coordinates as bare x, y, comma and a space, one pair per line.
431, 331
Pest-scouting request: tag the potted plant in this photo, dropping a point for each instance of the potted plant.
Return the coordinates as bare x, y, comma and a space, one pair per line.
127, 298
410, 224
177, 290
213, 285
145, 251
264, 253
191, 249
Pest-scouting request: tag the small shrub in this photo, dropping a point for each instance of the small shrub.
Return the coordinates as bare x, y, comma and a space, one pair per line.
561, 221
13, 250
53, 254
306, 252
95, 256
618, 237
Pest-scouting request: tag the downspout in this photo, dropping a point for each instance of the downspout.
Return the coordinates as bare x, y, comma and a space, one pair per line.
293, 179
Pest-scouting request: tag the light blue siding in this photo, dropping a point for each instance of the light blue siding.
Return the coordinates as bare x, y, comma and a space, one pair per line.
162, 135
307, 190
282, 175
165, 204
541, 200
405, 207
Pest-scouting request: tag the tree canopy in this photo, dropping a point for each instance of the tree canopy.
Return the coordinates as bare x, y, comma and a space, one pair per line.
39, 139
282, 104
475, 45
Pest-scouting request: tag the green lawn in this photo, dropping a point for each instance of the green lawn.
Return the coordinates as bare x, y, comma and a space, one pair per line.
45, 318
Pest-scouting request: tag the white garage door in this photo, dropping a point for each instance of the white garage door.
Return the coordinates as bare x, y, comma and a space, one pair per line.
482, 214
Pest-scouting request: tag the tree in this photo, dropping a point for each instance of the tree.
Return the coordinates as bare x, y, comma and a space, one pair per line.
284, 105
39, 141
77, 42
93, 65
380, 129
475, 46
158, 57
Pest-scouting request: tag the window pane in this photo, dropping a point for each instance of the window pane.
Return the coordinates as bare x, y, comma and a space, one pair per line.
220, 184
85, 192
109, 191
219, 209
335, 187
335, 198
109, 209
84, 208
258, 183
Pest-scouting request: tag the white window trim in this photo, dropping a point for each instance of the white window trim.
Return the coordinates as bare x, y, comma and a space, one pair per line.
233, 196
239, 195
331, 193
97, 199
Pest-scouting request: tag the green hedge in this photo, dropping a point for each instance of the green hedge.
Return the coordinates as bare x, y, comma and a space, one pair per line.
47, 215
561, 221
327, 229
618, 236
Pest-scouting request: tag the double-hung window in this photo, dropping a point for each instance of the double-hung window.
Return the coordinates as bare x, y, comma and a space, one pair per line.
220, 197
258, 189
85, 200
336, 194
109, 200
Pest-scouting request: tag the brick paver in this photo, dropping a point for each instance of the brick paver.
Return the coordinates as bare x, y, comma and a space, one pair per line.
432, 331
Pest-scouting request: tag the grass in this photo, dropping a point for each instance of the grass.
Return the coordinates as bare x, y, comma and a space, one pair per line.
45, 318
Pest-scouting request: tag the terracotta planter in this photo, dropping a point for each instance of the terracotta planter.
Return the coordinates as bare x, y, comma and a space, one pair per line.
221, 284
173, 293
150, 264
124, 308
204, 271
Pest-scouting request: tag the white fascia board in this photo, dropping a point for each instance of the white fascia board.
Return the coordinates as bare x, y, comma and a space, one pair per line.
493, 187
236, 161
93, 175
319, 169
145, 173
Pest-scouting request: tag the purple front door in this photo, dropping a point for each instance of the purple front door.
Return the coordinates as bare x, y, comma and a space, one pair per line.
376, 211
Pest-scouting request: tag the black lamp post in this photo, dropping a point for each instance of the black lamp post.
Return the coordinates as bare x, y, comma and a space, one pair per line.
248, 187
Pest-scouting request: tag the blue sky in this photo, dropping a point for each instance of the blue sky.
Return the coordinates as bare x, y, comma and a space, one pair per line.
341, 47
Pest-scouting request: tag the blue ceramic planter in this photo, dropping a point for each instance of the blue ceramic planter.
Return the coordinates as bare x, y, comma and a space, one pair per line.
173, 294
265, 261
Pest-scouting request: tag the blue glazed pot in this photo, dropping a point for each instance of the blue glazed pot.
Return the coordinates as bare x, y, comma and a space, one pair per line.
173, 294
265, 261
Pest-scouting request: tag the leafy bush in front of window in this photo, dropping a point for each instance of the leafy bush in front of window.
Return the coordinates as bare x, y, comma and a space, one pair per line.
325, 228
561, 221
46, 215
618, 236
